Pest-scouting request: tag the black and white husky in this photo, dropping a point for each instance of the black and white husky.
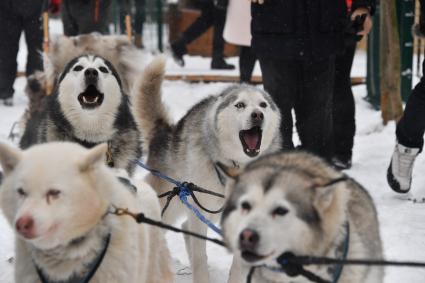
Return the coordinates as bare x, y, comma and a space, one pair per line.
231, 129
88, 106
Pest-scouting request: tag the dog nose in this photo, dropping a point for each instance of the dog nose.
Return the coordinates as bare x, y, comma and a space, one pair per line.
91, 73
25, 225
248, 239
257, 116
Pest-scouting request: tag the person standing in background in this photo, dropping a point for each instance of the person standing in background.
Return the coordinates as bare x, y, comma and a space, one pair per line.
85, 16
343, 100
410, 130
17, 17
212, 14
237, 30
139, 17
296, 43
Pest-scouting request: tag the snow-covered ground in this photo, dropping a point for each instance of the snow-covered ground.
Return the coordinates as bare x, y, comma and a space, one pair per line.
402, 228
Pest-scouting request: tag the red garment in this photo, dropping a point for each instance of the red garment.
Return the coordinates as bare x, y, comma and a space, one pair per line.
349, 3
54, 6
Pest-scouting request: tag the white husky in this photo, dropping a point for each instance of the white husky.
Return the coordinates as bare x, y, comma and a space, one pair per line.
57, 197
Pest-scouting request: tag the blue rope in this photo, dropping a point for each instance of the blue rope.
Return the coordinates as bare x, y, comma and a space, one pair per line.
183, 194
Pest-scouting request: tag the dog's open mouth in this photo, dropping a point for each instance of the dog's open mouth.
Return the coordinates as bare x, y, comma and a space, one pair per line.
253, 257
91, 97
251, 140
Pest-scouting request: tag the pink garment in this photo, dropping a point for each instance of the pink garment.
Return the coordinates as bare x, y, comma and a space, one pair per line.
237, 29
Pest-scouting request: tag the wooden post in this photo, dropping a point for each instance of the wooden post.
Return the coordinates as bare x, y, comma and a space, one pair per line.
48, 87
391, 105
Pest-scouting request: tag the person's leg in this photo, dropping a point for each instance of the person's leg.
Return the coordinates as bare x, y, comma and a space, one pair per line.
218, 41
247, 60
10, 32
70, 27
88, 23
313, 107
343, 109
139, 20
410, 131
197, 28
140, 16
280, 78
34, 40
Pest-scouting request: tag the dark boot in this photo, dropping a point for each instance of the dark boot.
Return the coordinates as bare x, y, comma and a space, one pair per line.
220, 64
178, 49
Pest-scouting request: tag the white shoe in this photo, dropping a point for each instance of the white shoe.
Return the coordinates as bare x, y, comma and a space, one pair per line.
399, 174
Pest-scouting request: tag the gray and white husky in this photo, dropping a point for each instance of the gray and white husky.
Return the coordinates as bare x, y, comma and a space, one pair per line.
231, 129
295, 202
90, 107
56, 197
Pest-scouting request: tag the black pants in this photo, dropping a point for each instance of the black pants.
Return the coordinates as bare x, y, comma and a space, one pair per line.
210, 15
79, 16
247, 60
343, 105
139, 16
15, 17
410, 129
307, 87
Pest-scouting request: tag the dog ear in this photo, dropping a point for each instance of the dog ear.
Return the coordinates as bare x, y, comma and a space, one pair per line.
94, 157
9, 158
231, 172
325, 190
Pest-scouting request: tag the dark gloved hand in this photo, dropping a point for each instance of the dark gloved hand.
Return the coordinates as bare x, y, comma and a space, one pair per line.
351, 36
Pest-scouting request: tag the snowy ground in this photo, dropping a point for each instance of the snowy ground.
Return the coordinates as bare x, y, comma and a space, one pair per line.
401, 221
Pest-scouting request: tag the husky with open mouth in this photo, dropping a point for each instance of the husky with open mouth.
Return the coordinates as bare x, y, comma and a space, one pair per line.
295, 202
90, 107
230, 129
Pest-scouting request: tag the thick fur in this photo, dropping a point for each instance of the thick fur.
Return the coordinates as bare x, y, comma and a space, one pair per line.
117, 49
63, 118
189, 150
68, 229
314, 223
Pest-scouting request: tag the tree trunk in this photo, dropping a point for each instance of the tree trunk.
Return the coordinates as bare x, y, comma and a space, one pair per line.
391, 104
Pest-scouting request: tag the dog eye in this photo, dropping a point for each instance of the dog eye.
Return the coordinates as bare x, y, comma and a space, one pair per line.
53, 193
21, 192
263, 104
78, 68
279, 211
240, 105
103, 70
246, 206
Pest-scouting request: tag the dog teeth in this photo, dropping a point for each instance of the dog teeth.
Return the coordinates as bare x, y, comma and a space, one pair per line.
257, 150
90, 102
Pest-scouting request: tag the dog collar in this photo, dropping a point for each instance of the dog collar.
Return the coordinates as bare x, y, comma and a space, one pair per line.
87, 144
221, 178
83, 278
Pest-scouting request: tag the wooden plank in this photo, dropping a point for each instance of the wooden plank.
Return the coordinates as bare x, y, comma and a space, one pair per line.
235, 79
224, 78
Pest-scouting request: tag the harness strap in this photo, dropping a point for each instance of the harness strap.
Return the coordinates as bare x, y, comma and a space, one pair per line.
93, 266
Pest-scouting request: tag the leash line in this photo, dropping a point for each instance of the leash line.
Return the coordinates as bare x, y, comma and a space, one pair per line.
183, 190
141, 218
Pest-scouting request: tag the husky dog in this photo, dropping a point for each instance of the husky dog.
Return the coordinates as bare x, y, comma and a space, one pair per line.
230, 129
295, 202
117, 49
57, 196
88, 107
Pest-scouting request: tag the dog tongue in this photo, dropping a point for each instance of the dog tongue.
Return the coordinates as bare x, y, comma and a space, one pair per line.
251, 140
